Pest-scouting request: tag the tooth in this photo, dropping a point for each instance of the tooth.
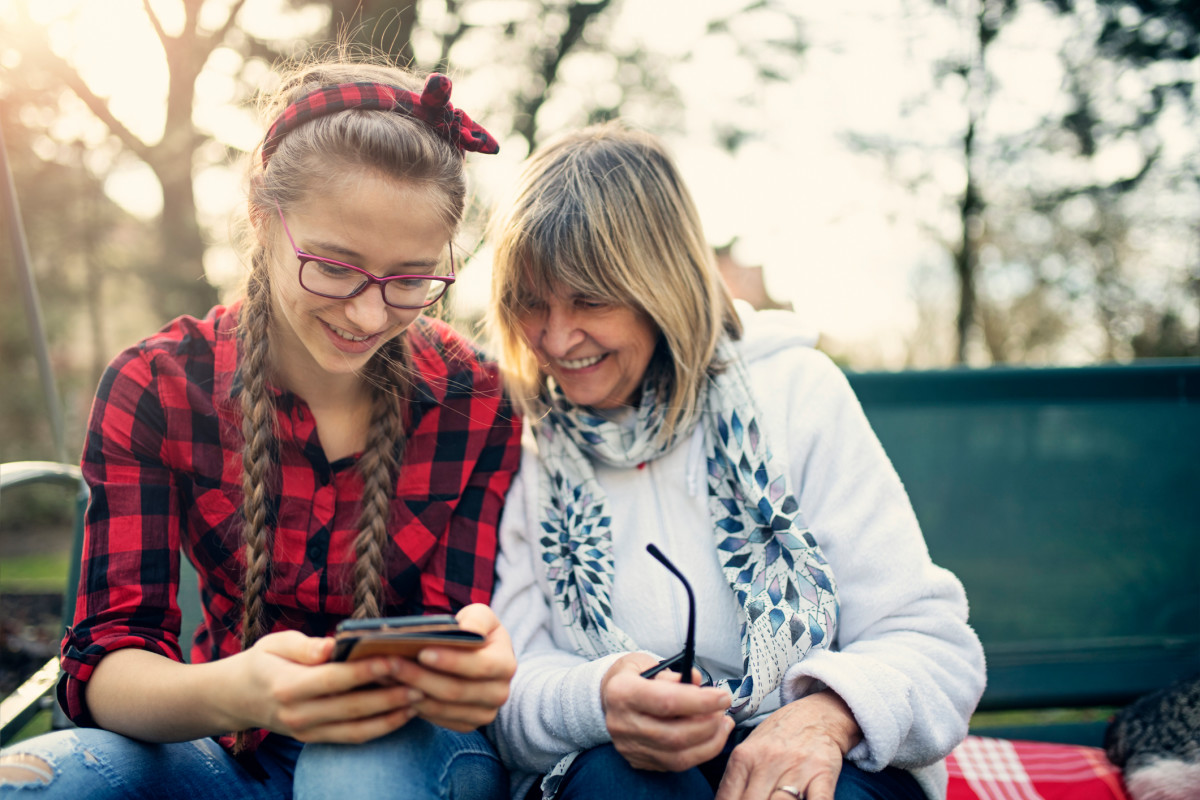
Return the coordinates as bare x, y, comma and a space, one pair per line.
580, 363
348, 336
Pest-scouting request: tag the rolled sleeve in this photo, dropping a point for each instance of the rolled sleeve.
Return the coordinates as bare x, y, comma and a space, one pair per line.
129, 571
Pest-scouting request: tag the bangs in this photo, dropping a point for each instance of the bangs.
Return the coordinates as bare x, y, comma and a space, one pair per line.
560, 249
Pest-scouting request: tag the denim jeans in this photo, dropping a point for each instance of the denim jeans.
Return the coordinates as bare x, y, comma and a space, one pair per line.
420, 761
603, 774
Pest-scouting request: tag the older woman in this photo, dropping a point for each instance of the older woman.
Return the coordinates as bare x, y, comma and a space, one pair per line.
831, 651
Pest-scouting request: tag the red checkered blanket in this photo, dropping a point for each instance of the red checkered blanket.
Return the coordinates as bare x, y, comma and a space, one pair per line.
983, 768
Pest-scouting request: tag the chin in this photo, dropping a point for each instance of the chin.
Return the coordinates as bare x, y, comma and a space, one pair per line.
335, 362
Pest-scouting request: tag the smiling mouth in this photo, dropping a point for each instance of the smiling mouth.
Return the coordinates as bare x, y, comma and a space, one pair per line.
349, 337
580, 363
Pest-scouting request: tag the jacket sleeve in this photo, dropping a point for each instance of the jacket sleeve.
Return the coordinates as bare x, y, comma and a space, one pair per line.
905, 661
554, 701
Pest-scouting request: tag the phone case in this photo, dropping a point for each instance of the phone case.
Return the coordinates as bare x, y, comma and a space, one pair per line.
399, 636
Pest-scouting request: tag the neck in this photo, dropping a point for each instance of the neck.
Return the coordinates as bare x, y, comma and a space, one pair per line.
319, 389
341, 406
294, 370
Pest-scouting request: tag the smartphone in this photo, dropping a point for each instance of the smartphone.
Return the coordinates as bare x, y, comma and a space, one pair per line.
399, 636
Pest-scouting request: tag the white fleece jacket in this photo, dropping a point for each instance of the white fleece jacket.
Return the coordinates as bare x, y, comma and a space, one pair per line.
904, 660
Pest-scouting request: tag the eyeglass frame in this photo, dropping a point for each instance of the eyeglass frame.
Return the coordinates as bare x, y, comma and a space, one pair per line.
686, 659
371, 280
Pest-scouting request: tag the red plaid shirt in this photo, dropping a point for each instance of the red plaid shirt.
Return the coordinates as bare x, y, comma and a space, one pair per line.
163, 458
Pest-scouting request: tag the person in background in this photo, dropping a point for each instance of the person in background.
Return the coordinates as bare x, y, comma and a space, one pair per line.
835, 659
319, 450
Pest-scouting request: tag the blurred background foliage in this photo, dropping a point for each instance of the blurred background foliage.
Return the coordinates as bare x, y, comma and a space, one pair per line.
1073, 239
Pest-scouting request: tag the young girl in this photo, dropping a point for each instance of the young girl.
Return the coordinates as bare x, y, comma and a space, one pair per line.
318, 450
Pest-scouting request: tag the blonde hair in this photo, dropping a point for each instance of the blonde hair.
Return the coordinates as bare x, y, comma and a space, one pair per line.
604, 212
325, 149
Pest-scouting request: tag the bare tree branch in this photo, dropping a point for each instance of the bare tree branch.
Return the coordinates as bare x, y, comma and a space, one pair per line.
159, 31
98, 105
214, 40
579, 14
453, 7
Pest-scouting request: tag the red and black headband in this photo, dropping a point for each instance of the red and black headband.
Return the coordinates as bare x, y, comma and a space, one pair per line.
432, 107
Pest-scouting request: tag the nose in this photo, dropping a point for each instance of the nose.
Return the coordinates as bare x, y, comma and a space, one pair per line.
559, 333
367, 311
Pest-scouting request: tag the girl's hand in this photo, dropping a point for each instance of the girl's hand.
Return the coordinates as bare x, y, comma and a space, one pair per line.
661, 724
462, 689
800, 745
293, 690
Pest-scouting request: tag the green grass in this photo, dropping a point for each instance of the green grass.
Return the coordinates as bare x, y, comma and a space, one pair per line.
1044, 716
39, 724
38, 572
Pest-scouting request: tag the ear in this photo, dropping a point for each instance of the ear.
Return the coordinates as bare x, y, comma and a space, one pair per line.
257, 214
256, 222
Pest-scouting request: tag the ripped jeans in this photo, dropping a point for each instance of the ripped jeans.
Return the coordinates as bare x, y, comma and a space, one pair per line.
419, 761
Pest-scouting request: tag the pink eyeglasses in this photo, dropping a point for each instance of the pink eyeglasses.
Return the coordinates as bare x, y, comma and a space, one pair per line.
338, 281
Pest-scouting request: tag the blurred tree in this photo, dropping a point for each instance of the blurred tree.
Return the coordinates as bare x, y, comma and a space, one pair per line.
533, 51
76, 237
986, 18
524, 45
178, 285
1149, 54
1076, 231
547, 64
386, 23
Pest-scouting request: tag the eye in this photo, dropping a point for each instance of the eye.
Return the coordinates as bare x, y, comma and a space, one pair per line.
590, 303
332, 270
530, 304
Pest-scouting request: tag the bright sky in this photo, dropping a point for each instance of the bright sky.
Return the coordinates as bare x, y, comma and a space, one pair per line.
835, 236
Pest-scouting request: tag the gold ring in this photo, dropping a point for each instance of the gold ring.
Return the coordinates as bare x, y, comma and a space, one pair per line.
792, 790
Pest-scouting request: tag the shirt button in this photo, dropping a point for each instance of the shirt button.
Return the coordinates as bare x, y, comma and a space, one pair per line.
314, 552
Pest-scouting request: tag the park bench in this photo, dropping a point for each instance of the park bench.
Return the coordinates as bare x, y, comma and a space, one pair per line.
1066, 500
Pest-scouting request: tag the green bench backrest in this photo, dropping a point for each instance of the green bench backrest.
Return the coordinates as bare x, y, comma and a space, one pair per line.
1067, 500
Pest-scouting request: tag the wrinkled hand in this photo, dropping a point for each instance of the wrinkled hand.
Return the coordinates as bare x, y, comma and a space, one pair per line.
799, 745
661, 724
462, 689
294, 691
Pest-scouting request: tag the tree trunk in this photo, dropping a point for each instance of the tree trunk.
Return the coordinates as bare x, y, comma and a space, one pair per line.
966, 259
181, 287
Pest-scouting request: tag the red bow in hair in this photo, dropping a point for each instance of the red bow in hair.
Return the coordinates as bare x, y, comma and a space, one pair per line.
432, 107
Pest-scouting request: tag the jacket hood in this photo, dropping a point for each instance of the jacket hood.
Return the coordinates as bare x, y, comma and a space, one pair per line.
766, 332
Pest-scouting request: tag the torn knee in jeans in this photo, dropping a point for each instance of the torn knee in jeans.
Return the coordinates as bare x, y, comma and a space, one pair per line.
22, 769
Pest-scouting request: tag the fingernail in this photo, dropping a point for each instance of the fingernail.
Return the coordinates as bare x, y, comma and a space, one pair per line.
428, 657
415, 695
381, 667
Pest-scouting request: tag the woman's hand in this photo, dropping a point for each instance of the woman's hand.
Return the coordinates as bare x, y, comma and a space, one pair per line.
800, 745
661, 724
462, 689
298, 694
